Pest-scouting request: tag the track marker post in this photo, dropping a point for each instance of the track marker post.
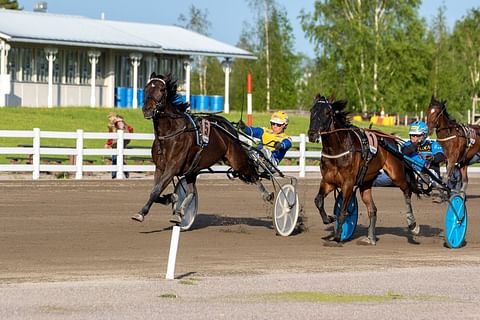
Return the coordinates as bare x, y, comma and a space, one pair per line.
249, 99
172, 256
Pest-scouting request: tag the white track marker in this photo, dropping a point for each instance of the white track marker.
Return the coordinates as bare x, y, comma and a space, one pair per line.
172, 256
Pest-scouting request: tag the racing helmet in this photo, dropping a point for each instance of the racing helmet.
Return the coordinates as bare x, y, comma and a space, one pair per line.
419, 128
279, 117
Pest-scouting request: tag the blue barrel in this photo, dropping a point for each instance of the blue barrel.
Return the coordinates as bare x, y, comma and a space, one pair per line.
120, 97
216, 103
201, 103
129, 103
193, 107
183, 97
140, 97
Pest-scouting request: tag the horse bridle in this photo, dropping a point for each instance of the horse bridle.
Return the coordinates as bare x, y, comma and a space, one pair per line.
330, 119
438, 115
158, 102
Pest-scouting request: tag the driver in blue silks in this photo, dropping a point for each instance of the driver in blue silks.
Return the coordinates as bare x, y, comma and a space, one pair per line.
426, 153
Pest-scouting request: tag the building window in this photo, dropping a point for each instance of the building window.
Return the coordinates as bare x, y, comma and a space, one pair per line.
13, 63
174, 65
70, 66
57, 67
84, 68
123, 70
41, 66
26, 58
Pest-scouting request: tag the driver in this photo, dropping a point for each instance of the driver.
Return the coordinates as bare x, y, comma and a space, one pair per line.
424, 151
274, 141
427, 153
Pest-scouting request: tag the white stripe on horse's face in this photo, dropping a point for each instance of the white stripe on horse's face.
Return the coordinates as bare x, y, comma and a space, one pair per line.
432, 111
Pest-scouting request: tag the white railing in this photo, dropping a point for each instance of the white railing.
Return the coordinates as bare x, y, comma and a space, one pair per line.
35, 152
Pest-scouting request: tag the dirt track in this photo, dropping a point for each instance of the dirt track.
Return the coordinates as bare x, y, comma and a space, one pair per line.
64, 231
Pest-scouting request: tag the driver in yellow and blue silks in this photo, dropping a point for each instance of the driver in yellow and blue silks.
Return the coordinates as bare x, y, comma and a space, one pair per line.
274, 141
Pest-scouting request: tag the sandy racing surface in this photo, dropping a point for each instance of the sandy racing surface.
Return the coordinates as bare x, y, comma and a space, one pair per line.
68, 249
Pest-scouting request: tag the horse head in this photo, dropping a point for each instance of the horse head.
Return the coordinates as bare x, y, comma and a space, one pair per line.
159, 90
434, 113
326, 116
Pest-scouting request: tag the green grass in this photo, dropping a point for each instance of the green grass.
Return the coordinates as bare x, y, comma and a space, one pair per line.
95, 120
300, 296
70, 119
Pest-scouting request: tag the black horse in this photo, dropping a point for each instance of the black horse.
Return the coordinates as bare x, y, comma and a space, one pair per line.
180, 147
346, 162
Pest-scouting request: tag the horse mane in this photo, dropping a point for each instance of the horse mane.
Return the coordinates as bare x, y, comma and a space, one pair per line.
443, 105
341, 116
172, 86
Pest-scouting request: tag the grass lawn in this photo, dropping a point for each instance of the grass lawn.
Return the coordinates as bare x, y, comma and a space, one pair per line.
95, 120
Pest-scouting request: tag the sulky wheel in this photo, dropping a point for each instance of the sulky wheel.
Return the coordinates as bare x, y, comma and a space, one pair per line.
456, 221
285, 210
351, 218
189, 212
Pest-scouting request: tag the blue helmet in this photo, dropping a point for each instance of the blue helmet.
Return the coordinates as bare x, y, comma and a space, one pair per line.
418, 128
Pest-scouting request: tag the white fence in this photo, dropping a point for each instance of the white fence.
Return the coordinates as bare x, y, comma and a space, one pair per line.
36, 152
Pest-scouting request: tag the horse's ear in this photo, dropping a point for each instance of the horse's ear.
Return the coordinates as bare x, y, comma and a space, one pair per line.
153, 75
332, 97
444, 102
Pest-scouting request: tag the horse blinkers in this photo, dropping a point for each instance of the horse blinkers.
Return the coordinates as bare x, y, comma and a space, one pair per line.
321, 118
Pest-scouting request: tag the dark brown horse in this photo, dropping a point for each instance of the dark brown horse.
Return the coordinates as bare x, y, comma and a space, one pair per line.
346, 163
177, 149
460, 142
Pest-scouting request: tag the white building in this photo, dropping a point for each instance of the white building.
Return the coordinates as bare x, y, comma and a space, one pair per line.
61, 60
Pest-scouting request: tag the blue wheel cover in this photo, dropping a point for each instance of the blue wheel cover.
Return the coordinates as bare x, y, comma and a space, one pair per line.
456, 222
350, 223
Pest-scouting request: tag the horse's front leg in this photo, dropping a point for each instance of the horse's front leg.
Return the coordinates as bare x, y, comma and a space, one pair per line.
267, 196
179, 211
463, 172
160, 185
367, 198
323, 191
347, 192
411, 222
454, 174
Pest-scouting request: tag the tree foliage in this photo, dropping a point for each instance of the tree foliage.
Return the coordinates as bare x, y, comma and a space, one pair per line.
276, 71
372, 50
197, 20
10, 4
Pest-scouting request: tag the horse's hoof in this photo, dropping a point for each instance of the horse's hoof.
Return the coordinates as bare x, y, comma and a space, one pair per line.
176, 218
332, 244
330, 219
414, 229
138, 217
366, 242
174, 198
268, 197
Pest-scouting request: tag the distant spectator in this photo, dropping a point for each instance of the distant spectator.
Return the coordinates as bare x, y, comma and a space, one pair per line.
115, 123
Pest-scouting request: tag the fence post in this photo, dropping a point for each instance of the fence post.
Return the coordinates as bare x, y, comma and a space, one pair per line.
120, 154
301, 161
79, 156
36, 154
